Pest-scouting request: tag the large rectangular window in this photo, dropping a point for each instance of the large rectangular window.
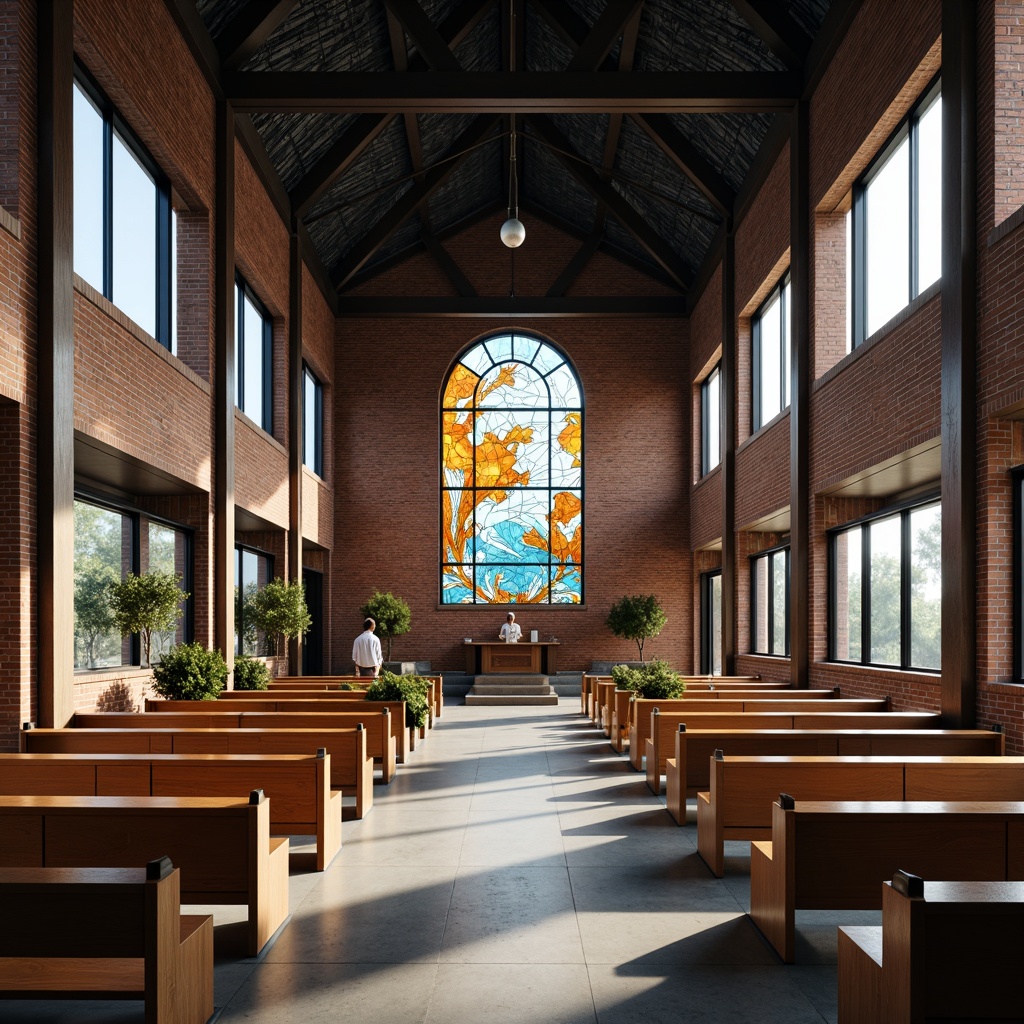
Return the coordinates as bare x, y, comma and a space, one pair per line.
110, 543
894, 226
253, 357
312, 422
253, 569
771, 337
886, 589
711, 420
769, 571
123, 221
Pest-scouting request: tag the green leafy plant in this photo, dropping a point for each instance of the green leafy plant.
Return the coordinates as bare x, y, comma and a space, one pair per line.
279, 609
391, 614
636, 618
190, 672
250, 673
655, 681
411, 689
146, 604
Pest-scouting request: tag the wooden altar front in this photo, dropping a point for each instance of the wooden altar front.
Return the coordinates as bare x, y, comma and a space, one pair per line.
495, 657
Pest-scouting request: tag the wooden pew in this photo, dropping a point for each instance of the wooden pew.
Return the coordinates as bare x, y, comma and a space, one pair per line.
106, 933
860, 714
351, 765
622, 702
380, 739
246, 702
298, 786
738, 805
826, 855
333, 682
946, 951
223, 846
688, 773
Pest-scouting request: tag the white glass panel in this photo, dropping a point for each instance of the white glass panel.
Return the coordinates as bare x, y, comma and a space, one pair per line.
888, 239
88, 190
134, 239
929, 151
926, 587
771, 343
714, 447
252, 384
886, 547
848, 597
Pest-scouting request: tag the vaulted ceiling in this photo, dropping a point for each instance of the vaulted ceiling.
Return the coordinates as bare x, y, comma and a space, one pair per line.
389, 123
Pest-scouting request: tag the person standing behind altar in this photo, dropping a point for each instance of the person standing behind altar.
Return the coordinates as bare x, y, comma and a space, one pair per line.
366, 651
510, 631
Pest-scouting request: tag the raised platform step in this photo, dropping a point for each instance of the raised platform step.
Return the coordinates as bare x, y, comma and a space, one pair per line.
509, 690
513, 700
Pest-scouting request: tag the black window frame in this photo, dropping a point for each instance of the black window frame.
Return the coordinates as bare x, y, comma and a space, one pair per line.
770, 554
240, 549
163, 286
135, 515
317, 464
780, 292
707, 625
858, 242
245, 291
705, 424
904, 511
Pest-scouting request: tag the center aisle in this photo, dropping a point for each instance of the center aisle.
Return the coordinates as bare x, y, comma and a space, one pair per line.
517, 870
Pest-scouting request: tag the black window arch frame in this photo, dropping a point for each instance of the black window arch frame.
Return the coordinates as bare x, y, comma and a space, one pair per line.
548, 343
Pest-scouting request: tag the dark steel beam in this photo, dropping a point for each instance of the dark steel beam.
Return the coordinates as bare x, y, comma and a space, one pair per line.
959, 399
428, 39
595, 306
774, 24
55, 396
800, 397
624, 213
249, 29
688, 159
599, 41
489, 92
407, 204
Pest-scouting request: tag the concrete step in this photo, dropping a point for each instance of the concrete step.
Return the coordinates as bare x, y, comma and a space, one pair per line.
474, 699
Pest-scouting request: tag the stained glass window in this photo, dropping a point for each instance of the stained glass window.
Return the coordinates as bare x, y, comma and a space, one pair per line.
512, 476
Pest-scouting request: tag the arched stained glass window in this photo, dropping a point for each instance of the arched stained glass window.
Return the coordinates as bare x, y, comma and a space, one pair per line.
512, 476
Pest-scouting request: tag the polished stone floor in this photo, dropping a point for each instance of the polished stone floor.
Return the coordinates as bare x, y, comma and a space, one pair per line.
516, 870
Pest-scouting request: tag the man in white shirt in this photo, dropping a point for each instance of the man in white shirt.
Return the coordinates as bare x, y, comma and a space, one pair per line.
510, 631
366, 651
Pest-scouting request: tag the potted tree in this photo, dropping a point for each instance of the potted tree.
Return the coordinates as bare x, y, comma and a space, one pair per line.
637, 618
393, 618
279, 609
147, 604
190, 672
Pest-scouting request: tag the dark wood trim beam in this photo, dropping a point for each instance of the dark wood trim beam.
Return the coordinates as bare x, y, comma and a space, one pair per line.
617, 205
780, 33
55, 459
959, 371
728, 434
296, 433
407, 204
491, 92
250, 28
611, 23
688, 159
427, 38
337, 160
224, 386
597, 306
800, 396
